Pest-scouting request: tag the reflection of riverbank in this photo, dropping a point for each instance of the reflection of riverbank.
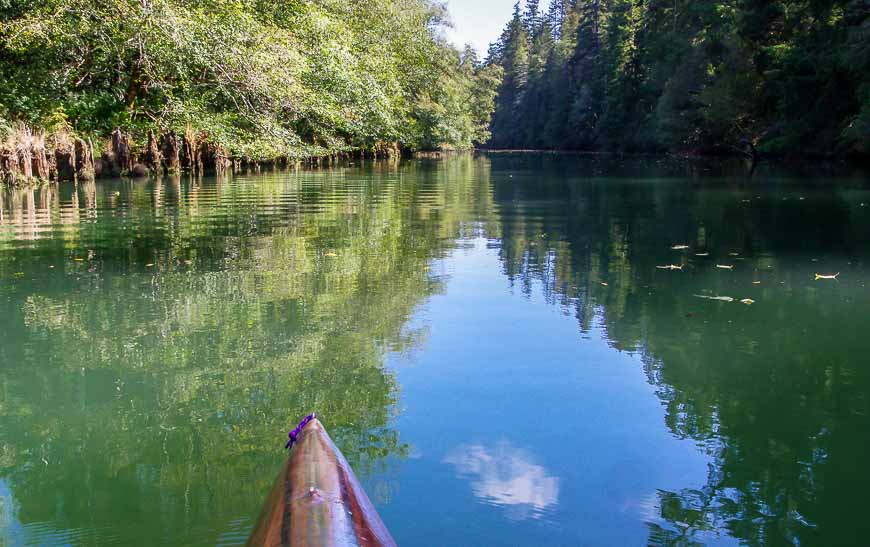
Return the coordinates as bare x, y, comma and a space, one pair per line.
155, 348
506, 476
773, 388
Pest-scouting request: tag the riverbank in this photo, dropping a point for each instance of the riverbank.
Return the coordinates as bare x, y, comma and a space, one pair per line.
29, 156
723, 154
204, 87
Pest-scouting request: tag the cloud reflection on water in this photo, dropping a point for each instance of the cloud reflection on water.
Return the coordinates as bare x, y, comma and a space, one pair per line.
507, 476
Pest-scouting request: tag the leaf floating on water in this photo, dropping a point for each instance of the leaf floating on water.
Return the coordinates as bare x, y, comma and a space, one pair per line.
733, 254
824, 276
717, 298
747, 301
148, 265
724, 267
679, 247
603, 284
756, 282
79, 259
702, 254
670, 267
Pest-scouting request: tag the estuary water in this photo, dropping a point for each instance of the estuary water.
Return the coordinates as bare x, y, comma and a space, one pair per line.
510, 349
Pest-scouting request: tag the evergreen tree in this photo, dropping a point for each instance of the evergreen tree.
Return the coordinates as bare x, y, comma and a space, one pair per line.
514, 60
532, 17
682, 75
555, 17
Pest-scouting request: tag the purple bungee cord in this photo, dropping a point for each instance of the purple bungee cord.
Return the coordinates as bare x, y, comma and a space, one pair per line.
295, 433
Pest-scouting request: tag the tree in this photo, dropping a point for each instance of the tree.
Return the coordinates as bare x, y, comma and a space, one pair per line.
261, 80
697, 76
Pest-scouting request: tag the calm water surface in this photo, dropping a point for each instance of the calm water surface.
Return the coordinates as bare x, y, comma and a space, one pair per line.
489, 340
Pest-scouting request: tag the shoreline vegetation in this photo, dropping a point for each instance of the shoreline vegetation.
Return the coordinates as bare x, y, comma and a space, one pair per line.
33, 157
90, 88
94, 88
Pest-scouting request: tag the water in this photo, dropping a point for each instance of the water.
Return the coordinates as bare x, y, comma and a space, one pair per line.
488, 339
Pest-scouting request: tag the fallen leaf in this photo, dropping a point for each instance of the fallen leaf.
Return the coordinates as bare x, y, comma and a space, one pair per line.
718, 298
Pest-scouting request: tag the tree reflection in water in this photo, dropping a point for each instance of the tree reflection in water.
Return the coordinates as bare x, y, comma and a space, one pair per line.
159, 338
156, 336
775, 393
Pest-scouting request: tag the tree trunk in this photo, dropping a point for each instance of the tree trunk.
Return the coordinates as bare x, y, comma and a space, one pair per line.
65, 162
153, 159
171, 159
84, 160
8, 166
41, 167
192, 154
25, 156
220, 158
121, 148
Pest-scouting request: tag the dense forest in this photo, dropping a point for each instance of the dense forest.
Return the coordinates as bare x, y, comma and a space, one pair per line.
188, 82
786, 76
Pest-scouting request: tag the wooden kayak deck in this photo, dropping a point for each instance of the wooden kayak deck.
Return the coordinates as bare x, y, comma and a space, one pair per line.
317, 500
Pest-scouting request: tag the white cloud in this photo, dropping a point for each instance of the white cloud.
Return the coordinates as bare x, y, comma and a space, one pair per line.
506, 476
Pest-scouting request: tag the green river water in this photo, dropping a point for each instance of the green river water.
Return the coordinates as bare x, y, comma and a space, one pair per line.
489, 339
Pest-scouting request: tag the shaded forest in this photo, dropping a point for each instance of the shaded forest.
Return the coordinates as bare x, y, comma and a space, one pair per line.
785, 76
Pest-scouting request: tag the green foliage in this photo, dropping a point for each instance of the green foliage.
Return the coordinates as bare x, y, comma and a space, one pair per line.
294, 79
679, 75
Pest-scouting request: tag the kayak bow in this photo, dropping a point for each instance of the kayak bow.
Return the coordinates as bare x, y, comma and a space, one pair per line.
317, 501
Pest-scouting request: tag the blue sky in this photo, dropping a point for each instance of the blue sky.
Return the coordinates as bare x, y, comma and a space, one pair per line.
478, 22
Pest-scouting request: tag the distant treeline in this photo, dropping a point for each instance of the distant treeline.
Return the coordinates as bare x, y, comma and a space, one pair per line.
249, 79
788, 76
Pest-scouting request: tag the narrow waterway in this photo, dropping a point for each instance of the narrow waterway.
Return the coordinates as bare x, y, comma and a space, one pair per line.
510, 349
